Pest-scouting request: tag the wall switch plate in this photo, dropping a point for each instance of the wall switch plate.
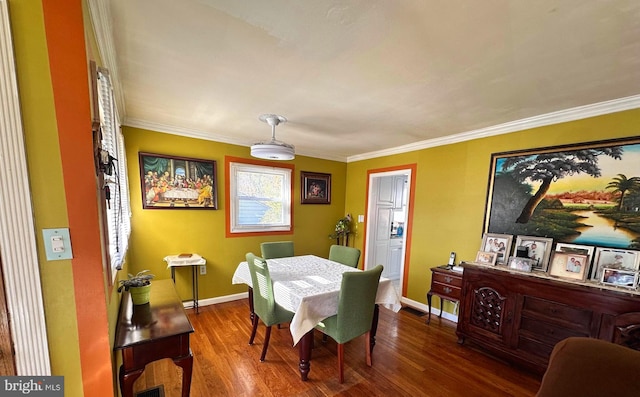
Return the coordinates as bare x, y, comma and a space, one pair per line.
57, 244
360, 218
203, 269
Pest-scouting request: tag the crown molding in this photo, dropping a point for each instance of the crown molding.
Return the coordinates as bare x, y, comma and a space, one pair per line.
103, 27
207, 136
562, 116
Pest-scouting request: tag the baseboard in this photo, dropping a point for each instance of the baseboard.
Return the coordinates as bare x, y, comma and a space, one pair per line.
219, 299
405, 301
424, 308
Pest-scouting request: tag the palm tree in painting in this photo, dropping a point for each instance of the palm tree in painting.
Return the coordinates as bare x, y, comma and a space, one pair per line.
550, 167
621, 184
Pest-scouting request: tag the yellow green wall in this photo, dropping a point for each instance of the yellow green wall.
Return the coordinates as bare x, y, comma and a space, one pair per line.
451, 188
157, 233
45, 169
52, 72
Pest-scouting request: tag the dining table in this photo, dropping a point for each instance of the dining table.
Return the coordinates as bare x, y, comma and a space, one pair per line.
309, 286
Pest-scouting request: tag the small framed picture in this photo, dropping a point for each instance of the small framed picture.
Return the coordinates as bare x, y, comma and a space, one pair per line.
521, 264
315, 188
498, 243
578, 249
612, 258
569, 266
619, 278
538, 249
486, 258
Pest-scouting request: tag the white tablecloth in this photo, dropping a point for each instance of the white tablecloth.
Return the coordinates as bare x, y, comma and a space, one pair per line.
310, 286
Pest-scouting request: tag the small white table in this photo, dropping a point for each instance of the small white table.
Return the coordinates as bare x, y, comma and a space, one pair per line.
193, 261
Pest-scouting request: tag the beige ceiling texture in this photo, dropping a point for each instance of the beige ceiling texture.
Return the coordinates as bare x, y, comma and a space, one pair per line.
361, 78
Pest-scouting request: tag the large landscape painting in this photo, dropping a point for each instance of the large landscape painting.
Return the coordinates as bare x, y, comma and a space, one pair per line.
584, 194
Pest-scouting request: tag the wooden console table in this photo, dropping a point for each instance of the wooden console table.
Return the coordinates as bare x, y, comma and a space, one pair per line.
157, 330
446, 284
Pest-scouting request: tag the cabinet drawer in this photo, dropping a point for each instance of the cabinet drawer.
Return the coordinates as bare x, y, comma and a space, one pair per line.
547, 332
445, 278
537, 348
573, 317
446, 290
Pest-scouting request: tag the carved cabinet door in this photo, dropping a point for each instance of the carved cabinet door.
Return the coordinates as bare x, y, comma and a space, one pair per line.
488, 310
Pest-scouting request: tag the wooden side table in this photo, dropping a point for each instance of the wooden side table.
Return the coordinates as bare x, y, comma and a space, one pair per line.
446, 284
154, 331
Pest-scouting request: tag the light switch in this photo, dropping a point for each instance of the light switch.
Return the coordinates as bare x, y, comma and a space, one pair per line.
57, 244
360, 218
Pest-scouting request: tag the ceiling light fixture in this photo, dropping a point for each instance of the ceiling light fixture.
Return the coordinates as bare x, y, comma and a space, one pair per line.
273, 150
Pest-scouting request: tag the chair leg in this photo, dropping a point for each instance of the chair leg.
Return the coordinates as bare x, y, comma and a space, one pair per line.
341, 362
368, 347
254, 328
267, 336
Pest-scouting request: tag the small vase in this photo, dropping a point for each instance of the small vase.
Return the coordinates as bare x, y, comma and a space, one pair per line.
140, 295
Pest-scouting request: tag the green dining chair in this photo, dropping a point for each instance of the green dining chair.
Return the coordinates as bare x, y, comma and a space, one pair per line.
265, 307
355, 312
276, 249
345, 255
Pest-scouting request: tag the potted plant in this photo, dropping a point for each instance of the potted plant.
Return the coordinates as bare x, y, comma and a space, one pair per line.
138, 286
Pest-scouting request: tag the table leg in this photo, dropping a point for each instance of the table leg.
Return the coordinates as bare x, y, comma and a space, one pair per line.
441, 300
186, 363
304, 346
194, 286
127, 380
374, 326
429, 295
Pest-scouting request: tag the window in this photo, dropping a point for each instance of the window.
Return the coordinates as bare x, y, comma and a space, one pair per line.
259, 197
113, 175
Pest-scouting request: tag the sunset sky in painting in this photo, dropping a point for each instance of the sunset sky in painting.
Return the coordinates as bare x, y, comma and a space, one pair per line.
609, 167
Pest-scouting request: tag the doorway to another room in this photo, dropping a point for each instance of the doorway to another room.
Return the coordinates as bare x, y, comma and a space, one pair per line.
387, 229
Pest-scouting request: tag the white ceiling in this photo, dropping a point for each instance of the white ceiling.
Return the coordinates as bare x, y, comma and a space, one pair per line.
356, 77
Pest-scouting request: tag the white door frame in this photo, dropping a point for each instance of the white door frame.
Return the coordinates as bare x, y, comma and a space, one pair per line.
372, 222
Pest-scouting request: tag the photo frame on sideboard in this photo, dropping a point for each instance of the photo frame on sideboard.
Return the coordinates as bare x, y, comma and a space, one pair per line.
498, 243
569, 266
619, 278
617, 259
521, 264
486, 258
538, 249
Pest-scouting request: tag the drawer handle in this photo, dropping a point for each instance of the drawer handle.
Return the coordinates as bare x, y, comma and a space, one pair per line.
448, 279
447, 290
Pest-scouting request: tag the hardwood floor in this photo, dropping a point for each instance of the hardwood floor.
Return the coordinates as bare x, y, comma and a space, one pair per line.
410, 359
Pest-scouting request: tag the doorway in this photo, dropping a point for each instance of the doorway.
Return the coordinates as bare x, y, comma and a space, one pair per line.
388, 219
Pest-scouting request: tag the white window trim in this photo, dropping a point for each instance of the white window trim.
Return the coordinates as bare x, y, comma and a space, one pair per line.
234, 227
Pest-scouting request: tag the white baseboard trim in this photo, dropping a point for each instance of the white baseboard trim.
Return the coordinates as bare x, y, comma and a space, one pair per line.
219, 299
424, 308
244, 295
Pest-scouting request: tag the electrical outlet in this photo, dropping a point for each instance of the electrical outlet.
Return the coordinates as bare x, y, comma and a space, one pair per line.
203, 269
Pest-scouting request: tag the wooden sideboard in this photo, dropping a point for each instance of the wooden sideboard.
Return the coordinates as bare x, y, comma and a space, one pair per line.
521, 316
